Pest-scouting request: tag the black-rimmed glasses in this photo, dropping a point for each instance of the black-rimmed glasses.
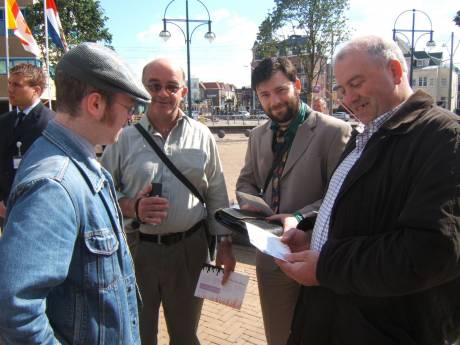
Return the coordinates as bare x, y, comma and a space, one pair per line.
130, 109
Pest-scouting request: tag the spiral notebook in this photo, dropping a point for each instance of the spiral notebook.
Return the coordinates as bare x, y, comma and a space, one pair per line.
210, 286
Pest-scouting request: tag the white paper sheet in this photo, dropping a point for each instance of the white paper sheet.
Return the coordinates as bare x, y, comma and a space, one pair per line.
266, 242
209, 286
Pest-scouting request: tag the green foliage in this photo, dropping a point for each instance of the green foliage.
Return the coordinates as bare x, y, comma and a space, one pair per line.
82, 21
319, 25
457, 18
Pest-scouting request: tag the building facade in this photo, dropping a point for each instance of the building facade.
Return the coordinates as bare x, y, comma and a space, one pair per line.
431, 73
293, 48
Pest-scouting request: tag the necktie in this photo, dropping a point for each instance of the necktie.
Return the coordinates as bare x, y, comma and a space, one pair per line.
19, 118
281, 154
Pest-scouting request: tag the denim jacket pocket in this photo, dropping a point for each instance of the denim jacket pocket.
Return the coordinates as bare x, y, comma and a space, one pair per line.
102, 241
102, 268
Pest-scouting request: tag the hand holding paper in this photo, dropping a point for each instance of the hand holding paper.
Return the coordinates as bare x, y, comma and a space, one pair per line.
210, 286
266, 242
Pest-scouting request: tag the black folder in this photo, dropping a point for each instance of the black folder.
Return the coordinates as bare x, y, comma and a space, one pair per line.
235, 219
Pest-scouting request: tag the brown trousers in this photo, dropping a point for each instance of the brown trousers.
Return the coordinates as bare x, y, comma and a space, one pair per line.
168, 275
278, 297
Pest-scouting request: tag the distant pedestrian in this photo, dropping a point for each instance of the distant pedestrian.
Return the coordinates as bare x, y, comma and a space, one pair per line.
320, 105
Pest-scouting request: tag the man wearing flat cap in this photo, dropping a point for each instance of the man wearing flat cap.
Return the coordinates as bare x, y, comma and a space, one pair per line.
67, 276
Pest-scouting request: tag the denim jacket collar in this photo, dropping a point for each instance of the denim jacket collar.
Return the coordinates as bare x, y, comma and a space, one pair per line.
57, 135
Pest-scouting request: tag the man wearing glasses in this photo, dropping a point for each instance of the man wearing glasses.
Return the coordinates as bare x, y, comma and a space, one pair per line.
67, 276
171, 243
22, 126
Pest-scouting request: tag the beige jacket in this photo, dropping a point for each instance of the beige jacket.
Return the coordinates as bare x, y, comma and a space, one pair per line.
313, 156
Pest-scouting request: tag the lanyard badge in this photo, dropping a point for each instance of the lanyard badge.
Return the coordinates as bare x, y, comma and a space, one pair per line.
17, 159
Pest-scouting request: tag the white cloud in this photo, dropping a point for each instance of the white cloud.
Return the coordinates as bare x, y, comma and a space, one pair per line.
219, 15
227, 59
380, 20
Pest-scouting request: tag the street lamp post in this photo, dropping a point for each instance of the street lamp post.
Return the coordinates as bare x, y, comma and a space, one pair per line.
451, 70
165, 35
430, 43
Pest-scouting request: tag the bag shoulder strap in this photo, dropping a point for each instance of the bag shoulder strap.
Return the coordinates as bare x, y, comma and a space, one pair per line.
168, 162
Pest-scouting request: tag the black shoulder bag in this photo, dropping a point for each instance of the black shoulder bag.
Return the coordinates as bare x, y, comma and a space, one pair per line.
211, 239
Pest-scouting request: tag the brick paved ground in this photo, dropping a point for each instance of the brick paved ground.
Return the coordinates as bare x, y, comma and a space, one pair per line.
219, 324
222, 325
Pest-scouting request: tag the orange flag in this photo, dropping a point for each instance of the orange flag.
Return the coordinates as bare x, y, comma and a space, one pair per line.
17, 23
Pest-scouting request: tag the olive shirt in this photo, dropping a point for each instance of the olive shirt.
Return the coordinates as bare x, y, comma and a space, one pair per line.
193, 150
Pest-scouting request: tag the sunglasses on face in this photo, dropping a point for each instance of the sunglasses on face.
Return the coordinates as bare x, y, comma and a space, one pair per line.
169, 88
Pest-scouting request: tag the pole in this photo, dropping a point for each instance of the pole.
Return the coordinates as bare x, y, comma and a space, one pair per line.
330, 76
7, 49
412, 50
449, 97
189, 79
48, 79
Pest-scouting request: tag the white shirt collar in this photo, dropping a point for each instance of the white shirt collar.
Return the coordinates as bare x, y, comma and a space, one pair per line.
29, 108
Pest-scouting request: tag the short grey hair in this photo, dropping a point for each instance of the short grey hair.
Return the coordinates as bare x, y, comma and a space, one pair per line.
380, 48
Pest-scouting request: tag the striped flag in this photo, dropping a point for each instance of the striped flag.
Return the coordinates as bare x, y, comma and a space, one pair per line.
54, 25
17, 23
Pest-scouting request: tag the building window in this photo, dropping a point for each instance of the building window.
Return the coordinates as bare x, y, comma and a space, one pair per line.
443, 102
431, 81
422, 81
2, 22
443, 82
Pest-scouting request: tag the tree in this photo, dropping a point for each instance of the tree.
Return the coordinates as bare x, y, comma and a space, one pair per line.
321, 25
457, 18
82, 21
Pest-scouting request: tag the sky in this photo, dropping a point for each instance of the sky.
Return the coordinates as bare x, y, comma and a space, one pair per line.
135, 29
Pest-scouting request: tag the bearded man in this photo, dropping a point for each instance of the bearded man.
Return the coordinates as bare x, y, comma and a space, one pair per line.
288, 163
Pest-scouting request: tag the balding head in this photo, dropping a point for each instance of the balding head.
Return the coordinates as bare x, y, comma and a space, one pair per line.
166, 64
165, 81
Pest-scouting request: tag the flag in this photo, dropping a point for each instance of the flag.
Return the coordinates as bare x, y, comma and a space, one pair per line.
54, 25
17, 23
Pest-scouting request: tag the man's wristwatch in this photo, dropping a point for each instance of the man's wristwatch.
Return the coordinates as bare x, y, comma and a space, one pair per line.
298, 216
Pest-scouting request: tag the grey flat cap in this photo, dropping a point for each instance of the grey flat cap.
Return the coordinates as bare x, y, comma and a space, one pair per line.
102, 68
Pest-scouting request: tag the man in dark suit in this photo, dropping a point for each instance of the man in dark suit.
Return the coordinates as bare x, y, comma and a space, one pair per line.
19, 128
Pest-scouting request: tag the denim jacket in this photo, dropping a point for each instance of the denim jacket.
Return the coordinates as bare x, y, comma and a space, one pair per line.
66, 273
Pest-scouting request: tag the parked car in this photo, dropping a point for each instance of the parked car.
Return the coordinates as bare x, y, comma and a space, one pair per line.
244, 114
260, 114
342, 115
